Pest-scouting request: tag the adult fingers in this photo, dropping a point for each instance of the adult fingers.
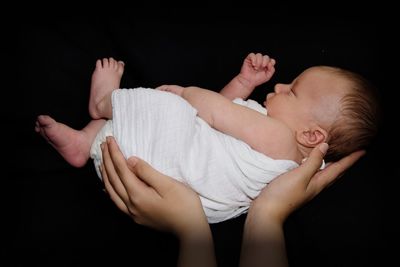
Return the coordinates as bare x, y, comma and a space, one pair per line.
158, 181
111, 192
123, 176
332, 172
313, 163
112, 175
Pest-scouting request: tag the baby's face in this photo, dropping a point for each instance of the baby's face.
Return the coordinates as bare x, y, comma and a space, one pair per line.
313, 97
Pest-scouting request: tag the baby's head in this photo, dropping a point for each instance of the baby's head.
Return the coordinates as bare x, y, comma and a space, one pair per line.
358, 119
328, 104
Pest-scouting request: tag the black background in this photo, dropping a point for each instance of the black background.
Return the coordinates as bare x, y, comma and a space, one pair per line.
59, 215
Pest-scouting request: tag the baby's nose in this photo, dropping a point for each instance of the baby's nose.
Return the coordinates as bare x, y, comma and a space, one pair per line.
278, 88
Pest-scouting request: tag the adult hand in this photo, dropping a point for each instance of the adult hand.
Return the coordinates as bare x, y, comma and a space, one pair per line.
147, 196
263, 237
295, 188
156, 200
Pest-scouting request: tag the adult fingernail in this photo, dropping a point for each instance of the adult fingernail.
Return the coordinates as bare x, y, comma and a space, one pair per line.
133, 161
323, 148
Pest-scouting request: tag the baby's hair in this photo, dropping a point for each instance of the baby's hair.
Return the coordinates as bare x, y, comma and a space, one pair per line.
359, 117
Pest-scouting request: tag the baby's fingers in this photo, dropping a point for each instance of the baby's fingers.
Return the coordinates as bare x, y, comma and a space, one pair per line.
258, 61
265, 60
163, 87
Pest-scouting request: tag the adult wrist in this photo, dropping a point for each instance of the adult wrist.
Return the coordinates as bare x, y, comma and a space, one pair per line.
263, 214
200, 234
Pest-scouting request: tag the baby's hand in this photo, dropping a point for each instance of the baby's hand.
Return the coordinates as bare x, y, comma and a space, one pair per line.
176, 89
257, 69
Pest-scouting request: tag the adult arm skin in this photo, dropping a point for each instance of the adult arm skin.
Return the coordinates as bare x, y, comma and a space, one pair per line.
158, 201
147, 195
263, 237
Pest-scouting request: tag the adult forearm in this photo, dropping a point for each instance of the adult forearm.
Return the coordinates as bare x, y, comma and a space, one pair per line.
263, 243
197, 249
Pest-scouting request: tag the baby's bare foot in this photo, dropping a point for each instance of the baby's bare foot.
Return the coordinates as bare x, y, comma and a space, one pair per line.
105, 78
73, 145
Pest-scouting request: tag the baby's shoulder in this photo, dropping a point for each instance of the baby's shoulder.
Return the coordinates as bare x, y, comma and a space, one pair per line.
280, 142
252, 104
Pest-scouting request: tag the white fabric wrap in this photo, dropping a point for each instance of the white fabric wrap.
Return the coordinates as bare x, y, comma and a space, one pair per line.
163, 129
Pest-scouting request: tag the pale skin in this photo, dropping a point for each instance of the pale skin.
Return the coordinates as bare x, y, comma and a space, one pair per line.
299, 114
149, 200
294, 124
256, 70
74, 145
147, 195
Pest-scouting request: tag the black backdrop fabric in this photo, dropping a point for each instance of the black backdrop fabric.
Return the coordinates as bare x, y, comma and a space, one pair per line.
60, 215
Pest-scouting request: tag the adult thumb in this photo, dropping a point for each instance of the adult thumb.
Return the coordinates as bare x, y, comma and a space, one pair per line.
314, 162
148, 174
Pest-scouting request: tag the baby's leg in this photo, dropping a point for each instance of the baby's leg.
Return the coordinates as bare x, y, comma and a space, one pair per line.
72, 144
105, 79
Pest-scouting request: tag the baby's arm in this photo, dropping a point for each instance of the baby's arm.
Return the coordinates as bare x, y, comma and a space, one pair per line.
261, 132
256, 69
207, 102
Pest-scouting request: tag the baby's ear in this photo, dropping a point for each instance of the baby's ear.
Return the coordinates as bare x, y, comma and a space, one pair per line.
312, 137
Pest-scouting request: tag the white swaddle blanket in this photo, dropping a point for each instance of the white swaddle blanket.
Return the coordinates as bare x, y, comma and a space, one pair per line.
164, 130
